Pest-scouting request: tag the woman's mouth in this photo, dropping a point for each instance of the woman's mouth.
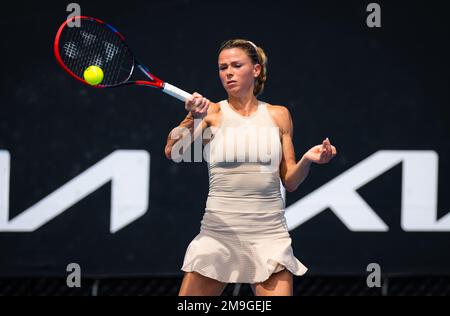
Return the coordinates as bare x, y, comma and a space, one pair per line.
231, 82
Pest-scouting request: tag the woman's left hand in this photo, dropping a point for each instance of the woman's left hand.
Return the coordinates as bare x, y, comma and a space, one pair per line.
321, 154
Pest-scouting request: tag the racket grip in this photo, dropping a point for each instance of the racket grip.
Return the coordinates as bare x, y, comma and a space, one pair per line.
175, 92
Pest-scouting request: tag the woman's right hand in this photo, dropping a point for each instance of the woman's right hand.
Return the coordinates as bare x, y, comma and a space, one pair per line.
197, 105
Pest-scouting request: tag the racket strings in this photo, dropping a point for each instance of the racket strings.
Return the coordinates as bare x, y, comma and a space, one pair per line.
95, 44
116, 63
120, 62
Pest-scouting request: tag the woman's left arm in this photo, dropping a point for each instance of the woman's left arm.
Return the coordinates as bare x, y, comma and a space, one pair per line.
293, 173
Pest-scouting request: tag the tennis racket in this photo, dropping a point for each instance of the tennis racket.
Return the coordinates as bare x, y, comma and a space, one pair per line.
96, 43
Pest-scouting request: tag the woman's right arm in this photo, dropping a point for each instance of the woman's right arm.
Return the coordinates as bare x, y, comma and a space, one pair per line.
197, 106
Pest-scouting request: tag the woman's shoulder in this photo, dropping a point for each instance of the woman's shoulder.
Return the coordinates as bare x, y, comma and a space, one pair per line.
213, 115
214, 107
279, 113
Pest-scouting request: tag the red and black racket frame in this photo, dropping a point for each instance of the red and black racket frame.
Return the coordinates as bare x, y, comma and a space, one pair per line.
155, 83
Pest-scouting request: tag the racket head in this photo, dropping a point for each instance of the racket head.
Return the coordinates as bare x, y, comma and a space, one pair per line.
94, 43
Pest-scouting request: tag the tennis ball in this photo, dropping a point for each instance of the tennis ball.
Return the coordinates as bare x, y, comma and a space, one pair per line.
93, 75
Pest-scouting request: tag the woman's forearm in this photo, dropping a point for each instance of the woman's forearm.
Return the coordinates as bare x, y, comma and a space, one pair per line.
297, 174
178, 133
187, 132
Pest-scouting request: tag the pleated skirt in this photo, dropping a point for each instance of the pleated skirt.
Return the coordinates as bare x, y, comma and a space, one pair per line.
239, 246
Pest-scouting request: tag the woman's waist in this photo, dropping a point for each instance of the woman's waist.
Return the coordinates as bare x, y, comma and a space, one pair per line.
251, 185
248, 225
244, 203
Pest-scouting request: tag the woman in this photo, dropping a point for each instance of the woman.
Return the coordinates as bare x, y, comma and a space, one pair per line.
244, 237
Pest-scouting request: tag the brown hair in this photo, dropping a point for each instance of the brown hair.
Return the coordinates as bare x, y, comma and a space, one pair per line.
256, 54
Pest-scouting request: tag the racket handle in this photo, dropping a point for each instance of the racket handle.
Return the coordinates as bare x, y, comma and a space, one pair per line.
175, 92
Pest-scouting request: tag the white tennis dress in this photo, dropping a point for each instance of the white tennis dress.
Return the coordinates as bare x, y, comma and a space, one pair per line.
243, 236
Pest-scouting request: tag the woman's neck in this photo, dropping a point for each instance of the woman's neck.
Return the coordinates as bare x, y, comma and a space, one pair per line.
244, 104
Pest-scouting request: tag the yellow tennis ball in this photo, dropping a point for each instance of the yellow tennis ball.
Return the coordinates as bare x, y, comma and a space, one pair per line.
93, 75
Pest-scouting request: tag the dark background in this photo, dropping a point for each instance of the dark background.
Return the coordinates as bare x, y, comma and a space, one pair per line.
366, 89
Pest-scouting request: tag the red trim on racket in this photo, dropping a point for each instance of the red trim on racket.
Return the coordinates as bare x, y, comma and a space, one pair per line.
155, 81
58, 55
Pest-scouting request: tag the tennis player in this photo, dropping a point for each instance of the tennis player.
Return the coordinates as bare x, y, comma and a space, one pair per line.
244, 236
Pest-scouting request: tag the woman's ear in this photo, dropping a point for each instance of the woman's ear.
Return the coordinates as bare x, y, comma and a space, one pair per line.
256, 70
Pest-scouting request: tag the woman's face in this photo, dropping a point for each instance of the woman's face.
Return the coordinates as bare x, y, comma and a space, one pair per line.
237, 72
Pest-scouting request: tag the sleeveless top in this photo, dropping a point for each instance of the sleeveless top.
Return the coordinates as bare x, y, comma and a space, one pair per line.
243, 162
243, 236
